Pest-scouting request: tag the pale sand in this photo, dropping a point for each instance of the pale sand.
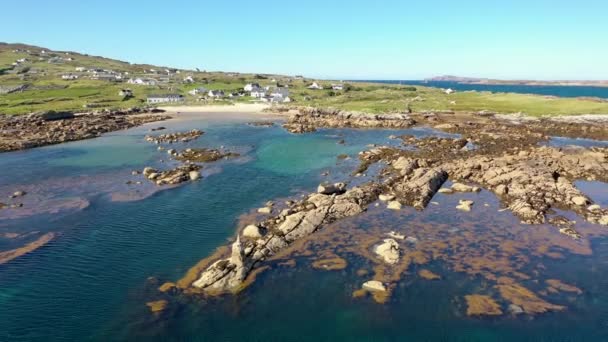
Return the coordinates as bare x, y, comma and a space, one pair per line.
253, 108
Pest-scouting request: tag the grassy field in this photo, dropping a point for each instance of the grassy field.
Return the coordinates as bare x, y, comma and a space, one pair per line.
47, 91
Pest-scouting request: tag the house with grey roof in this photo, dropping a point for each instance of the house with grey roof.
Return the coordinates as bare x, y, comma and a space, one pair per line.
198, 91
216, 94
165, 98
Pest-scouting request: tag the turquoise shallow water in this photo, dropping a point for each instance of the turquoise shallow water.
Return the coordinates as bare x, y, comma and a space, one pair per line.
93, 280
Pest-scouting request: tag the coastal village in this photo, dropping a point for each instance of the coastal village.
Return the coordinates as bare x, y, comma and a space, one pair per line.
100, 83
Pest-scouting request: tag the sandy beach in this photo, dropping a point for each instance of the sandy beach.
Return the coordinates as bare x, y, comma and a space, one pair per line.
253, 108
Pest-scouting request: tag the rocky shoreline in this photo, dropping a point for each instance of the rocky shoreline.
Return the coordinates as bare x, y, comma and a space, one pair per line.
505, 158
49, 128
308, 119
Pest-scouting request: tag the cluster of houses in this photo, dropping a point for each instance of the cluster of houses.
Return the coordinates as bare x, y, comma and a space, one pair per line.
317, 86
266, 94
95, 74
165, 98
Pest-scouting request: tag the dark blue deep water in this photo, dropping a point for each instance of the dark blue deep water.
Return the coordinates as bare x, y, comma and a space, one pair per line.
560, 91
92, 281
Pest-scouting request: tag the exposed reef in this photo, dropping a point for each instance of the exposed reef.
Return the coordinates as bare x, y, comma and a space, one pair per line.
48, 128
309, 119
509, 160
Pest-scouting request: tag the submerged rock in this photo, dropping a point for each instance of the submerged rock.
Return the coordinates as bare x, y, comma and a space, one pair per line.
394, 205
465, 205
388, 251
374, 285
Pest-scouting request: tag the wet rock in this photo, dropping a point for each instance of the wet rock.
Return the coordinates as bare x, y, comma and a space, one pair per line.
29, 131
420, 186
227, 274
594, 208
252, 232
171, 138
204, 155
265, 210
386, 198
388, 251
331, 189
374, 285
308, 119
194, 175
459, 187
465, 205
446, 191
394, 205
175, 176
580, 200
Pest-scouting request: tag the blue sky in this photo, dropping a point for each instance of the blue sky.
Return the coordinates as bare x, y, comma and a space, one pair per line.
382, 39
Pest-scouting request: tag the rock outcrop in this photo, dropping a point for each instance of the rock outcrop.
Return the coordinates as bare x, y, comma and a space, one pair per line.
180, 174
308, 119
309, 215
48, 128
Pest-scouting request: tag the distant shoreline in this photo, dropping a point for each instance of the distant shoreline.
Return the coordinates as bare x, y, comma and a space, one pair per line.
484, 81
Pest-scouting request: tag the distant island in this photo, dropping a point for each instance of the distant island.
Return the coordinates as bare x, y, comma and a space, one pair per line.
489, 81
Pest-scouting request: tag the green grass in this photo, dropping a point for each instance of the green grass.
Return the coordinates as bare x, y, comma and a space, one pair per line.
365, 97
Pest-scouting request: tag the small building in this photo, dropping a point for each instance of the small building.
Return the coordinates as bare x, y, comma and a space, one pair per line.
69, 77
280, 92
280, 99
106, 77
217, 94
337, 86
188, 79
258, 93
81, 69
198, 91
251, 86
125, 93
167, 98
315, 86
143, 81
449, 91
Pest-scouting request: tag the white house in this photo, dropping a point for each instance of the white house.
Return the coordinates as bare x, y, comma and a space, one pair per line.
258, 93
449, 91
315, 86
337, 86
81, 69
197, 91
165, 98
216, 94
188, 79
143, 81
251, 86
69, 77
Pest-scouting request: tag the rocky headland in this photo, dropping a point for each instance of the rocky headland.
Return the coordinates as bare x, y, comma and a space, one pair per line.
49, 128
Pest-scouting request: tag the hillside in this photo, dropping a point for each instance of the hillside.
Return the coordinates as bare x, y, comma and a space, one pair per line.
31, 81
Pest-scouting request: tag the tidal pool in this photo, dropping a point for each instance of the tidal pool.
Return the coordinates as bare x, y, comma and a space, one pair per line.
93, 279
